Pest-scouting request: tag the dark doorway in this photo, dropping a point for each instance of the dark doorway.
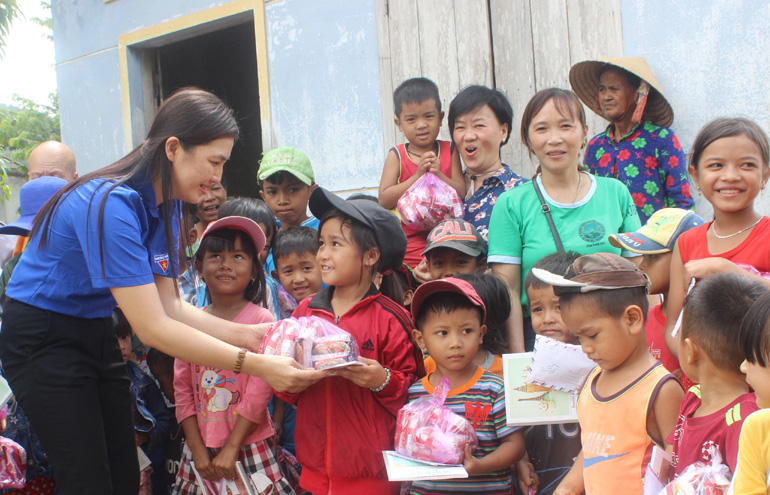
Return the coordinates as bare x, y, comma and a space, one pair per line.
224, 62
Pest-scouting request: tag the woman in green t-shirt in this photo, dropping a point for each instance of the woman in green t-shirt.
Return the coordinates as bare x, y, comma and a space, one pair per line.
585, 209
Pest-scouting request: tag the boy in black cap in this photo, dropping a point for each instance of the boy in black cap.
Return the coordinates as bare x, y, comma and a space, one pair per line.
455, 247
629, 401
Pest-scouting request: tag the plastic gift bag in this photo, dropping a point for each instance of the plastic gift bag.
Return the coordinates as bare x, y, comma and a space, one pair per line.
429, 431
701, 478
428, 202
313, 342
13, 464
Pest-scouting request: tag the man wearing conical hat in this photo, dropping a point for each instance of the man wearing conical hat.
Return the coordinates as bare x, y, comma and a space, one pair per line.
637, 148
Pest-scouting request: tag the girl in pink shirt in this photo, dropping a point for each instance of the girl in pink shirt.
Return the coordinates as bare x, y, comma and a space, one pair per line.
223, 413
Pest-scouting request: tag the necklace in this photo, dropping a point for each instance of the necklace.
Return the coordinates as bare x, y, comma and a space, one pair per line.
418, 155
577, 191
476, 176
714, 230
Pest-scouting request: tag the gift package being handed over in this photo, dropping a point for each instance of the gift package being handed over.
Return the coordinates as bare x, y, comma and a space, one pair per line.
313, 342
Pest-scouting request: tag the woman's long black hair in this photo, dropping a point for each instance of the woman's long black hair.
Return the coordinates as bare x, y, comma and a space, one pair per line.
193, 116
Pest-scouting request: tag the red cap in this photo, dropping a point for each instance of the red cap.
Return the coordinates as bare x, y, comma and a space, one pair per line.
450, 284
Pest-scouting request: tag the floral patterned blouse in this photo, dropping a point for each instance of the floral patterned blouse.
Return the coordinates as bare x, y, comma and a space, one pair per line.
649, 160
478, 207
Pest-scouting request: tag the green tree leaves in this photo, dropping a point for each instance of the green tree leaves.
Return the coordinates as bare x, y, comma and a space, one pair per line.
23, 129
9, 10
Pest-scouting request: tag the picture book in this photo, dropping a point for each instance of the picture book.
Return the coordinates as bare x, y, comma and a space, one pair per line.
528, 404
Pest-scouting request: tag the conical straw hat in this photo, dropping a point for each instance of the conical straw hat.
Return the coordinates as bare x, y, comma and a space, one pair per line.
584, 79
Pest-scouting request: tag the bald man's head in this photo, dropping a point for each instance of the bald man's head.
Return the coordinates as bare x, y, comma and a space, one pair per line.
53, 159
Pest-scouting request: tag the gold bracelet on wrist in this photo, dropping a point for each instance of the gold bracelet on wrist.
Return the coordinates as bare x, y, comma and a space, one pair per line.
239, 361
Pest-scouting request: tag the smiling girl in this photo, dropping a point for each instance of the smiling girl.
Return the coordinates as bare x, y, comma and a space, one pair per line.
730, 166
224, 414
110, 237
585, 209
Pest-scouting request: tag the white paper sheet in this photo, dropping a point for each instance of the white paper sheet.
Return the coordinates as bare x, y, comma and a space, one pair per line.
558, 365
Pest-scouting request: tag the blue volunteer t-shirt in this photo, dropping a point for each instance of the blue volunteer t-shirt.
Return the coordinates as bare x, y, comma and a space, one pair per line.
66, 276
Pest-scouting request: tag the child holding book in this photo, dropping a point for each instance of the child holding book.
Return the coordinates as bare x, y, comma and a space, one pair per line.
450, 317
418, 115
152, 419
223, 413
712, 412
552, 448
629, 401
344, 422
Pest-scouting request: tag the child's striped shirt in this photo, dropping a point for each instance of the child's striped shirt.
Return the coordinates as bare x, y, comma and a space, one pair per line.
482, 402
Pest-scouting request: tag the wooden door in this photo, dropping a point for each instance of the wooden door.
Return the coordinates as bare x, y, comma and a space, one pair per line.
517, 46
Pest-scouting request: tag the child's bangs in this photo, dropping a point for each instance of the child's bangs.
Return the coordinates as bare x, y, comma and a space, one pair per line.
360, 234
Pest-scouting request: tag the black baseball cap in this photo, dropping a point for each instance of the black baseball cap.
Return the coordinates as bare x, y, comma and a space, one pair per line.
391, 239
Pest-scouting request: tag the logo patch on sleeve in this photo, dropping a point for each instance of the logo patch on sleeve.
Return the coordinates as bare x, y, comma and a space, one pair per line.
162, 261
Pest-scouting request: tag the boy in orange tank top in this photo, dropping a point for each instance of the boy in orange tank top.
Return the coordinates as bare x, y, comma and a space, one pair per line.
629, 401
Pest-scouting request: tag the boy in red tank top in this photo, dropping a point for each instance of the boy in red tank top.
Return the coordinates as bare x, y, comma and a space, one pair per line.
418, 115
712, 413
629, 402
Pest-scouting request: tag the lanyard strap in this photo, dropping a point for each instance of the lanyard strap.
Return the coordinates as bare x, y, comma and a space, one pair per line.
547, 210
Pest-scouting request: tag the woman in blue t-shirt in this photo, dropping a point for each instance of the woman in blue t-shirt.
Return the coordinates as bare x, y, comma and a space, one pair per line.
112, 237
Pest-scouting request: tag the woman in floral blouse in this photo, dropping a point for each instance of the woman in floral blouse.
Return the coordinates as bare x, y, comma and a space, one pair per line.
638, 148
480, 120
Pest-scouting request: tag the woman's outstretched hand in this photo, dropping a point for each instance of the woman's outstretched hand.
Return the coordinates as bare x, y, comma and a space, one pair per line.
257, 333
286, 375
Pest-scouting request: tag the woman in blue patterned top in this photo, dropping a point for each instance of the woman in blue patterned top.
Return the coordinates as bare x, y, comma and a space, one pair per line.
480, 120
638, 148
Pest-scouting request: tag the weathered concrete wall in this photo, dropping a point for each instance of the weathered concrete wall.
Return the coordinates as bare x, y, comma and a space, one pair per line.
323, 78
88, 69
325, 88
9, 209
709, 56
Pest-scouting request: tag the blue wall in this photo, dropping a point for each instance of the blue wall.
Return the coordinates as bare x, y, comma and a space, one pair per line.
88, 69
325, 90
322, 66
711, 57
